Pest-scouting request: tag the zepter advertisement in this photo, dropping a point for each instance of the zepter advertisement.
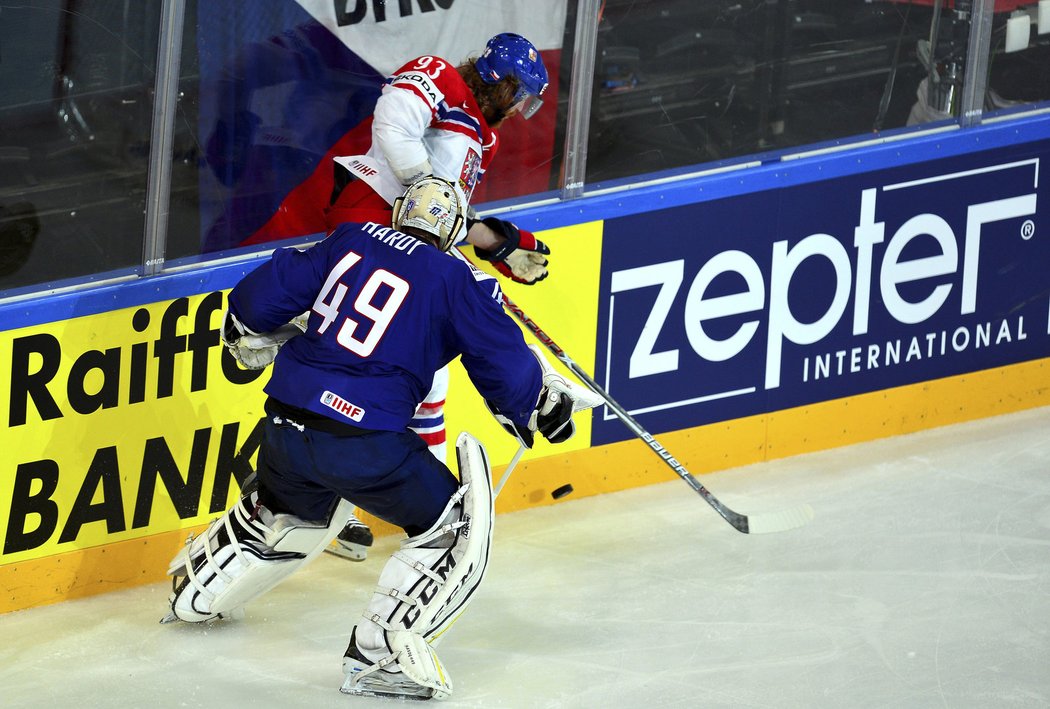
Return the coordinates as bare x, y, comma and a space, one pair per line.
825, 290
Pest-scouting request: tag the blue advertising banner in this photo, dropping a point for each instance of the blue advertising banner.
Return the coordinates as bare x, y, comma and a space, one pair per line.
776, 299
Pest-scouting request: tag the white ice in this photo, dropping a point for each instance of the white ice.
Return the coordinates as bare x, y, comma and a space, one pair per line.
924, 581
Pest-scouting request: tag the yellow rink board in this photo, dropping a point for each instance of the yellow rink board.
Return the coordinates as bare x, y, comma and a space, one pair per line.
603, 469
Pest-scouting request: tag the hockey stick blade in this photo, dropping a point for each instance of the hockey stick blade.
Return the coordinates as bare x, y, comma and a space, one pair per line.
779, 521
760, 523
755, 523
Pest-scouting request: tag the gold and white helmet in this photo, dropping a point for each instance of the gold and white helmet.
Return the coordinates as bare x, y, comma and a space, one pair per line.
432, 205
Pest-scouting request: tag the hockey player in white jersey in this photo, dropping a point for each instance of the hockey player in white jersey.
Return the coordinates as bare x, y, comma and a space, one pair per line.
340, 399
436, 118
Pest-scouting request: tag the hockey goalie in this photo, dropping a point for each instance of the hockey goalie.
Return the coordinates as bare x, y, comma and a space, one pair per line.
386, 309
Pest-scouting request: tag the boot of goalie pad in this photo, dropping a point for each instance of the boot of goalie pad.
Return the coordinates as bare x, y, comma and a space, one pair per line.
244, 554
427, 584
411, 670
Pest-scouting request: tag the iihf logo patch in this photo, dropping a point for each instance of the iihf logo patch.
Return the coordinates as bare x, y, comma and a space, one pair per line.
342, 406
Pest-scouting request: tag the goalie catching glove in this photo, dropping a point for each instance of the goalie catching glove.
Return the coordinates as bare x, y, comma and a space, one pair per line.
521, 257
559, 399
254, 350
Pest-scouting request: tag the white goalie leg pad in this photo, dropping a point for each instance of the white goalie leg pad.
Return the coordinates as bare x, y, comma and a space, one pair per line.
428, 583
244, 554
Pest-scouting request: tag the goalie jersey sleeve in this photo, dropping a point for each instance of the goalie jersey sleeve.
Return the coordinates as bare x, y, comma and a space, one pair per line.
386, 312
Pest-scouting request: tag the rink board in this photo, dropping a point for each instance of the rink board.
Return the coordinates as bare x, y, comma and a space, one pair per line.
739, 319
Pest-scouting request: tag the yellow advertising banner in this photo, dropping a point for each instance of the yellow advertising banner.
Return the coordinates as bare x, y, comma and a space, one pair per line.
120, 425
137, 422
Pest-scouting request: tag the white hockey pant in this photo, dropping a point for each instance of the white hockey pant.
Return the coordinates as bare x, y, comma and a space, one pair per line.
427, 584
244, 554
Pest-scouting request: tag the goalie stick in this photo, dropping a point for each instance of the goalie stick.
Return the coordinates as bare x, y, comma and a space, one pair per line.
510, 469
758, 523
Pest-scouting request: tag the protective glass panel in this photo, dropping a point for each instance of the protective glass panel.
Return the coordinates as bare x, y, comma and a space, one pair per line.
1019, 64
274, 91
76, 91
680, 83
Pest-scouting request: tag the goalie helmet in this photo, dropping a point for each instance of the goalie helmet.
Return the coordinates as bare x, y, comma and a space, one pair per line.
511, 55
434, 206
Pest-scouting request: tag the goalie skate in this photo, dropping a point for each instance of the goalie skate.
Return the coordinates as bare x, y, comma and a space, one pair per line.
411, 671
353, 541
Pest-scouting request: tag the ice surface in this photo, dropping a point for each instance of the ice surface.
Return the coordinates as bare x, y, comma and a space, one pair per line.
923, 581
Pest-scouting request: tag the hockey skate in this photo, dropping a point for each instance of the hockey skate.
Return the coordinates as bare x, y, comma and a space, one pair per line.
353, 541
412, 671
235, 614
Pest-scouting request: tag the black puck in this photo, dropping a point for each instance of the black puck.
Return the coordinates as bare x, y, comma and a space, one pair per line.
561, 492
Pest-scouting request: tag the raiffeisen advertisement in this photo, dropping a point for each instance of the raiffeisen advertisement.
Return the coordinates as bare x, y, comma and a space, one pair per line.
146, 424
777, 299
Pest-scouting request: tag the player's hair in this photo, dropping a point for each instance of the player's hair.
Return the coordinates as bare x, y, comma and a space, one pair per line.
494, 100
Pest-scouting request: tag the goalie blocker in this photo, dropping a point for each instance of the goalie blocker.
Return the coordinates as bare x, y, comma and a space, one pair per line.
559, 399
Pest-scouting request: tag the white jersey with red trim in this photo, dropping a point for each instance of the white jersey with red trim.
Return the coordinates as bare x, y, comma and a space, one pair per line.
426, 115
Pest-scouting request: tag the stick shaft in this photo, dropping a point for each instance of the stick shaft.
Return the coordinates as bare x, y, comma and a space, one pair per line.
510, 469
738, 521
761, 523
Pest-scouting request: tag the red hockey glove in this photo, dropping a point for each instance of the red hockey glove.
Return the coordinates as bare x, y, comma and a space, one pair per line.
521, 257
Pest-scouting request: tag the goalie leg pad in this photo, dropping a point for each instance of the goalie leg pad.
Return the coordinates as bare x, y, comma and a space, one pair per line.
428, 583
244, 554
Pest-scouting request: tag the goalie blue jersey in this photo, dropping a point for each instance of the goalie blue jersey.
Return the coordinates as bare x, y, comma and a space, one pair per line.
386, 311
